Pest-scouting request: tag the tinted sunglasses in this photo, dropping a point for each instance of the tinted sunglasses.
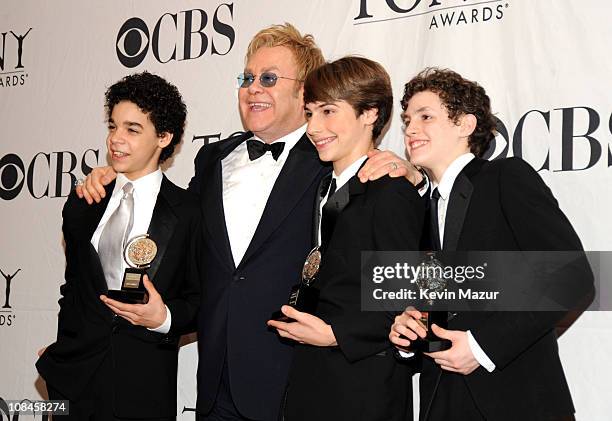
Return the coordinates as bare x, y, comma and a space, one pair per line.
266, 79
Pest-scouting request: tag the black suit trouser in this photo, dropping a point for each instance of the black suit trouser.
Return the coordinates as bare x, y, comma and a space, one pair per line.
453, 401
97, 400
224, 408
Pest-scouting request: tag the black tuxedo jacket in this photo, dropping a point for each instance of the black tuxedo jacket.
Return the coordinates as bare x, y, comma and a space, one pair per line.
496, 206
238, 301
359, 379
145, 362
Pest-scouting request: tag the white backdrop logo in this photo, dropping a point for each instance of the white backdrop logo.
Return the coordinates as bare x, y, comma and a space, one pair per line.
186, 35
441, 13
12, 58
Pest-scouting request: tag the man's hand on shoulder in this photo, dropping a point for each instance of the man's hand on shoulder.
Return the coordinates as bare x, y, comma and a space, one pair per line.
381, 163
92, 188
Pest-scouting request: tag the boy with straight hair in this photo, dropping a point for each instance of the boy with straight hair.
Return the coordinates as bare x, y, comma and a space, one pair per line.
344, 367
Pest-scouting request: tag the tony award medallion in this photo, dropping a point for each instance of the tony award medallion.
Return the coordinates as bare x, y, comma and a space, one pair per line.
304, 297
432, 279
138, 253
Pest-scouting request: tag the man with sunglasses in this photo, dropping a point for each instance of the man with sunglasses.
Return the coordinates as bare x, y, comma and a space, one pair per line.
257, 192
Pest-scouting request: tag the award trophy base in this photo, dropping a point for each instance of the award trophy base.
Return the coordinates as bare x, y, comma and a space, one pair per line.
431, 343
132, 288
303, 298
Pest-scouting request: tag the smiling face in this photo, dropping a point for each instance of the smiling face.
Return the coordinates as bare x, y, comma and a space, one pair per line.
133, 144
271, 113
338, 134
432, 139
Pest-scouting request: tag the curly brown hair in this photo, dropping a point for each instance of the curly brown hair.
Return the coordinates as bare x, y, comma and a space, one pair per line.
157, 98
459, 96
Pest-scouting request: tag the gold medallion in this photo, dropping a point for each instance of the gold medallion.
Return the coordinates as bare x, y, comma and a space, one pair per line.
140, 251
311, 265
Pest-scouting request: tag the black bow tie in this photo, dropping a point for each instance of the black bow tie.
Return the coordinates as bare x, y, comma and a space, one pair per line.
257, 149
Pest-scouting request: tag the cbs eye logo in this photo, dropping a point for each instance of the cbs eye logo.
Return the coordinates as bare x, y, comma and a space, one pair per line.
191, 27
11, 176
132, 42
47, 174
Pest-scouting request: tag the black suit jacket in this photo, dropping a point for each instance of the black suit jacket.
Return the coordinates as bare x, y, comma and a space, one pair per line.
238, 301
496, 206
359, 379
88, 331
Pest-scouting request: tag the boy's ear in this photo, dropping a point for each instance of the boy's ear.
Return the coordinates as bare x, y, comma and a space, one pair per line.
164, 139
370, 116
467, 123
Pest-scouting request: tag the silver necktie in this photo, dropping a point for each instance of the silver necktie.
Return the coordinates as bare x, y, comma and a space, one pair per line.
114, 237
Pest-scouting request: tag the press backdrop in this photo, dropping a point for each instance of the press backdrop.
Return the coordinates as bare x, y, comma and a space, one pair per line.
546, 65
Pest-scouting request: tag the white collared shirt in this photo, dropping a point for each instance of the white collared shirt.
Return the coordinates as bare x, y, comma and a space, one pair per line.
341, 180
145, 193
246, 188
444, 188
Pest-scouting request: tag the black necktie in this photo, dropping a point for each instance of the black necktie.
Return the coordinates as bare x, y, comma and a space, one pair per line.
433, 219
332, 188
257, 149
331, 210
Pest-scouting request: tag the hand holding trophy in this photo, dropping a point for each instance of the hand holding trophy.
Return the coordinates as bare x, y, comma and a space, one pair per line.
431, 279
304, 297
138, 253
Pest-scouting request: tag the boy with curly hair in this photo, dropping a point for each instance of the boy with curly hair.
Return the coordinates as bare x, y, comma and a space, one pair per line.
116, 360
501, 365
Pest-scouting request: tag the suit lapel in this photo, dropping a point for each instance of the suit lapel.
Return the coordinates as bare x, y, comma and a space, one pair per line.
84, 222
356, 187
299, 172
163, 222
212, 196
457, 208
95, 271
459, 201
87, 217
336, 204
342, 197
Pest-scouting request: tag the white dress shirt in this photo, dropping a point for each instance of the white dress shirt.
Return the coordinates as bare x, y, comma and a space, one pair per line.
246, 188
145, 193
444, 188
